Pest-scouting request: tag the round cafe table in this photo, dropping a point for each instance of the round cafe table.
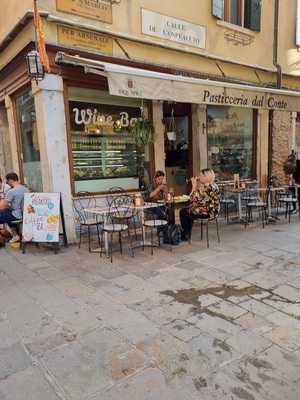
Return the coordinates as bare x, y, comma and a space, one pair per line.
239, 191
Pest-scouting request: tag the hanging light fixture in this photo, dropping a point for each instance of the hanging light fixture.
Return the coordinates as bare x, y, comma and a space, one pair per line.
34, 66
171, 132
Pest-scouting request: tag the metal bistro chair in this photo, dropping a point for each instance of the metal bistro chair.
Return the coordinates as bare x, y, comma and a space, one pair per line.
118, 220
206, 222
259, 202
87, 221
226, 203
154, 221
250, 195
288, 202
115, 192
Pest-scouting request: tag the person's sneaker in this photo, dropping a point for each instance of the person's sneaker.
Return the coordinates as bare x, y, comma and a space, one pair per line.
14, 239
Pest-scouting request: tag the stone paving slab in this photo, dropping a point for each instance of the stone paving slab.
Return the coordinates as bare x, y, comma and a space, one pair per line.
92, 364
12, 360
288, 292
27, 384
217, 327
228, 310
257, 307
249, 343
285, 338
7, 334
149, 385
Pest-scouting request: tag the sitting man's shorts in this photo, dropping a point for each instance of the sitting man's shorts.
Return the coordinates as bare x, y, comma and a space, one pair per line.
6, 217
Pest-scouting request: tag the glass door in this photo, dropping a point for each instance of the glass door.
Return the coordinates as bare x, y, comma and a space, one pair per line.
28, 142
178, 146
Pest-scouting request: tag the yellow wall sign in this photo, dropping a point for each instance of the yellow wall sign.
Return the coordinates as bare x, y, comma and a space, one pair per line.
85, 39
97, 9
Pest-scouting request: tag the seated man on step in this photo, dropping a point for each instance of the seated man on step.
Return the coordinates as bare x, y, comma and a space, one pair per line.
11, 208
158, 193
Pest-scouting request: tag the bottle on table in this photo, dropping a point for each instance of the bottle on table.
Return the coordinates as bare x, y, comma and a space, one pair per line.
171, 195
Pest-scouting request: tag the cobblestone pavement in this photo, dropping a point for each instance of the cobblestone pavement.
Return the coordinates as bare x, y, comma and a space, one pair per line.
194, 323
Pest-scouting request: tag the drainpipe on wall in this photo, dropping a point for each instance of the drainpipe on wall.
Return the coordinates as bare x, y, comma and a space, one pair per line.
278, 85
275, 46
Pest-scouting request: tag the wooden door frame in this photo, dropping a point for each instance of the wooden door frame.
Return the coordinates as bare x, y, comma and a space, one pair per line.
186, 112
88, 85
18, 133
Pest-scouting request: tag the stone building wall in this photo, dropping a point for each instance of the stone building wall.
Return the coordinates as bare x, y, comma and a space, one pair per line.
5, 149
282, 142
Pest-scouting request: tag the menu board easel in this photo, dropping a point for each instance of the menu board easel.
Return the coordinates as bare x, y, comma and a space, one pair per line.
42, 215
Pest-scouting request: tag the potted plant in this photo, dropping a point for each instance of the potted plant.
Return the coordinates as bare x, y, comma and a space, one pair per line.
143, 131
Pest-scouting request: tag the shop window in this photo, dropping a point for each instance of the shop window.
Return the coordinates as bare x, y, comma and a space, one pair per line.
104, 151
28, 142
231, 142
246, 13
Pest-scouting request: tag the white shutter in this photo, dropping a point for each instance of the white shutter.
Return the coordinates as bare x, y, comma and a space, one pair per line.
218, 8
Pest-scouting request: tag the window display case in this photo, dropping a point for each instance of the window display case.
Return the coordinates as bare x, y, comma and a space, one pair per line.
103, 147
107, 156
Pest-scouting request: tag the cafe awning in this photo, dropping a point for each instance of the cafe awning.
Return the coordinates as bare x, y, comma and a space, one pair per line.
145, 84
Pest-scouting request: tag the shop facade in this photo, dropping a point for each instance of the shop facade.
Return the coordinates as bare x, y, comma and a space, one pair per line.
72, 131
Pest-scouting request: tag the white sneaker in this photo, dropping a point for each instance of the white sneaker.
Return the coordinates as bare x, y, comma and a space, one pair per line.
14, 239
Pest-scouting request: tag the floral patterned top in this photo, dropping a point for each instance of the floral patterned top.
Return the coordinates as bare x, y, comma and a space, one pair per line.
206, 201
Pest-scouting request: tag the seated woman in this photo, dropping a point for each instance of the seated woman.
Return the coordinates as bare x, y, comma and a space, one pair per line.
204, 202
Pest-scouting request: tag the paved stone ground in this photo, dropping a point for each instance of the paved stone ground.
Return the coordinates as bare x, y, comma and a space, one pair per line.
194, 323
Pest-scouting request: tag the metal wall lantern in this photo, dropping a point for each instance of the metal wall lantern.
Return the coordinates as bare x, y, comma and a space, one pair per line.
34, 66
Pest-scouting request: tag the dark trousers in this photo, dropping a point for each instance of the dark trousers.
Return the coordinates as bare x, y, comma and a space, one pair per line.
187, 219
6, 217
158, 212
186, 222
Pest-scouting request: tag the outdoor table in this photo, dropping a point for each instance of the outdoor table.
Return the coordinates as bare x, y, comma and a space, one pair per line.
239, 192
104, 211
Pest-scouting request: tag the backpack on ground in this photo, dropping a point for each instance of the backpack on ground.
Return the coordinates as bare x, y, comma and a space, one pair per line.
172, 234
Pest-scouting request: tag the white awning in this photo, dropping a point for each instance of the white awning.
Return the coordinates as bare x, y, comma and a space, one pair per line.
141, 83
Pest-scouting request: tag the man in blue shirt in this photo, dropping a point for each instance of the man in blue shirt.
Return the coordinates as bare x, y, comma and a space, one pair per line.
11, 208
